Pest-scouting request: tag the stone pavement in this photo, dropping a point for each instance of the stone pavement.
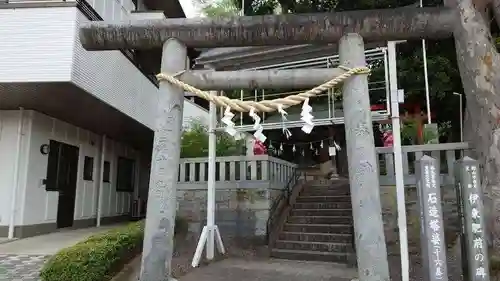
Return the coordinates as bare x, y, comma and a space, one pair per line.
271, 270
21, 260
21, 267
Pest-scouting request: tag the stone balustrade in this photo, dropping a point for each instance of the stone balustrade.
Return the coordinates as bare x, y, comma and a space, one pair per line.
445, 153
236, 172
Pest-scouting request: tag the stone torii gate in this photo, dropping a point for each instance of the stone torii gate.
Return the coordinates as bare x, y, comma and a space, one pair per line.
349, 29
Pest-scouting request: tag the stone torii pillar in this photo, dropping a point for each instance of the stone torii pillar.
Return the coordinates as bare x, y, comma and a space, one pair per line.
162, 202
363, 168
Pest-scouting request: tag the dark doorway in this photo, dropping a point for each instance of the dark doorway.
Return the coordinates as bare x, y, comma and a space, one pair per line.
62, 176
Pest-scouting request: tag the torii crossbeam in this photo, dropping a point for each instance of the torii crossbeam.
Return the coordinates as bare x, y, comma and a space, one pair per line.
323, 28
350, 29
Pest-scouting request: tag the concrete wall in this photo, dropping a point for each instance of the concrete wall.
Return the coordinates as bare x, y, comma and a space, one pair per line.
36, 206
9, 123
31, 54
113, 9
45, 128
112, 78
116, 203
194, 112
239, 213
246, 188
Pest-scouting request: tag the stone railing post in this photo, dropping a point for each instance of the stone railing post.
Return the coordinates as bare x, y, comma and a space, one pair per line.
363, 172
475, 257
160, 217
265, 169
432, 228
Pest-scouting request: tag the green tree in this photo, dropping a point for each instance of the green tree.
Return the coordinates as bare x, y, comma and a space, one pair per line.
194, 142
218, 8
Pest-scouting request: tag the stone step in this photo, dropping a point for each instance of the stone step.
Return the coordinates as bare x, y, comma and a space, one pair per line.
320, 182
302, 198
318, 228
320, 219
313, 246
323, 205
321, 212
314, 191
309, 255
327, 182
317, 237
323, 181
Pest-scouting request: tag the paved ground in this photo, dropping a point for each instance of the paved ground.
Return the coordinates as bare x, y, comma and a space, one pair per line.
246, 268
21, 260
271, 270
5, 240
21, 267
243, 269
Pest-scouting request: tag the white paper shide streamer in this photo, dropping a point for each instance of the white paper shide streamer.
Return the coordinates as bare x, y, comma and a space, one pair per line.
257, 126
227, 120
307, 117
337, 147
332, 150
283, 113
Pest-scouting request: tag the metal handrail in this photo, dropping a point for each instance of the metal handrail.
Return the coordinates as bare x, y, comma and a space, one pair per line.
284, 195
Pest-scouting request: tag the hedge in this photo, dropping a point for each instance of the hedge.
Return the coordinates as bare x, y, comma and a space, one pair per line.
96, 258
100, 256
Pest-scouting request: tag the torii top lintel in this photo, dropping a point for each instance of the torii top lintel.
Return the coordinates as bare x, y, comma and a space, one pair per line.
293, 29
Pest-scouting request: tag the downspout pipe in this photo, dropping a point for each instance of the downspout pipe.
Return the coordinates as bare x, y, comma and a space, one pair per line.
15, 179
101, 181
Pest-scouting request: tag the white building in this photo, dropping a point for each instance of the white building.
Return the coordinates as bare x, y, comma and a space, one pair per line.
75, 126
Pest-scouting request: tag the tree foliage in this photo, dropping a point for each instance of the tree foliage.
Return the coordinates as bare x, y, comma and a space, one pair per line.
194, 142
218, 8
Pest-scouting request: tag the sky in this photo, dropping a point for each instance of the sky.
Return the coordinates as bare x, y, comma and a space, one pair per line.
189, 9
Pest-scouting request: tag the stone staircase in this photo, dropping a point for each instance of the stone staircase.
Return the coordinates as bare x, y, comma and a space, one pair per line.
319, 225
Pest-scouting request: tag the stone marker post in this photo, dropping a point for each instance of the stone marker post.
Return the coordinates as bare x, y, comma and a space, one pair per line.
461, 215
363, 171
431, 218
473, 211
160, 215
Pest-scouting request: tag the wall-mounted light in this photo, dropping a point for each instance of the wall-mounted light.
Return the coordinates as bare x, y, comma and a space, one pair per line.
44, 149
